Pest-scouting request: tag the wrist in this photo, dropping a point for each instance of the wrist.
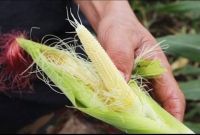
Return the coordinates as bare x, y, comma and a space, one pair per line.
115, 9
97, 11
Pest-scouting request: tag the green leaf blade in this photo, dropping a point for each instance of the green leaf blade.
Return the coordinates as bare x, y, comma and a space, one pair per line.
183, 45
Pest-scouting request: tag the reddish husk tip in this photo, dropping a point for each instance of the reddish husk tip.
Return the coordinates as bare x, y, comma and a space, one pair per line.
13, 61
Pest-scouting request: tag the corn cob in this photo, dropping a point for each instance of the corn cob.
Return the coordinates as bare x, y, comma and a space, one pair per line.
109, 98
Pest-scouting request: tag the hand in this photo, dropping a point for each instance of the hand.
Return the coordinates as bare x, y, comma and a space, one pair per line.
122, 36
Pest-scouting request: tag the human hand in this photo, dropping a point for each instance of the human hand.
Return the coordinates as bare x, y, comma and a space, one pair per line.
123, 37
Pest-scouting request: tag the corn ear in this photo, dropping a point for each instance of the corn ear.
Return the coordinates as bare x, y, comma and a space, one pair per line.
107, 71
112, 79
70, 85
128, 107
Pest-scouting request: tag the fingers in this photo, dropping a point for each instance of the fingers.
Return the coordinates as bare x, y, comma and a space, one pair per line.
168, 93
165, 88
121, 50
121, 43
122, 57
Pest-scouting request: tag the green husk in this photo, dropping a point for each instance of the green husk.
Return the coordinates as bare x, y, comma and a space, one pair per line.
150, 118
149, 68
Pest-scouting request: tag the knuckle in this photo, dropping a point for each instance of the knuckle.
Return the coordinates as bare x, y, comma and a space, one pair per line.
121, 54
146, 38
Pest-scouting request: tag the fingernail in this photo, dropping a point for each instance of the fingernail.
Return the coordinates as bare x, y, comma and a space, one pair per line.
126, 78
122, 74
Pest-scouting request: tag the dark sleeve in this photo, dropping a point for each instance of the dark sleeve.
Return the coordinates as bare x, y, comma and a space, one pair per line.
20, 108
48, 15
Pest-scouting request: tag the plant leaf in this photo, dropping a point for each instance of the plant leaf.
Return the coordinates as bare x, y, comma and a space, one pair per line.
188, 70
189, 8
193, 112
191, 89
194, 126
183, 45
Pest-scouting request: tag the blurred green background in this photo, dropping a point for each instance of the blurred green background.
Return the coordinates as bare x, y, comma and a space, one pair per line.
178, 23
